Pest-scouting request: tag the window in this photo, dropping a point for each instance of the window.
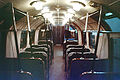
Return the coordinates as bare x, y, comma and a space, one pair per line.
32, 34
71, 33
42, 34
84, 38
23, 40
92, 39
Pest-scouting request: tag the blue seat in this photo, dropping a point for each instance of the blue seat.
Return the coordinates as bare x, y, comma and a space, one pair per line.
77, 67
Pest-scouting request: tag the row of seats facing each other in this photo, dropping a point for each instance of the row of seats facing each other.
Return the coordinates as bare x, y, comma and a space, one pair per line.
65, 44
36, 63
42, 52
84, 67
49, 51
39, 54
65, 48
76, 51
50, 45
40, 49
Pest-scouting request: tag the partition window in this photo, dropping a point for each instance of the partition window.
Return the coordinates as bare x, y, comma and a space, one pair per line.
32, 35
23, 40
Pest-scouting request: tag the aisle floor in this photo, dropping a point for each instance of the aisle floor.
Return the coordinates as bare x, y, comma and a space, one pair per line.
57, 68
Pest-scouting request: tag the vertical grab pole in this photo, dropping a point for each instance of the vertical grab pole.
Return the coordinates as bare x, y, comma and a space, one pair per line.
29, 30
15, 35
47, 46
86, 24
15, 31
97, 39
28, 22
98, 30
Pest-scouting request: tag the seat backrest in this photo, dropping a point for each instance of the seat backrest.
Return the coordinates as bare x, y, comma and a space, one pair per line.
25, 55
45, 42
80, 66
75, 55
36, 66
69, 43
77, 50
35, 49
73, 46
43, 56
43, 45
48, 43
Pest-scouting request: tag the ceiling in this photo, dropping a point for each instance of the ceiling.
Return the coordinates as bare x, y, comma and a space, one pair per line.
63, 5
24, 5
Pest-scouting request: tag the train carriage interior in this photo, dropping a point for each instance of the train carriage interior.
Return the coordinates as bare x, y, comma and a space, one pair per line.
59, 39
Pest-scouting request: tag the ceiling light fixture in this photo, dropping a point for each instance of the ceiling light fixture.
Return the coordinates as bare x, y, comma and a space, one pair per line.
45, 10
69, 15
37, 4
70, 11
77, 5
47, 15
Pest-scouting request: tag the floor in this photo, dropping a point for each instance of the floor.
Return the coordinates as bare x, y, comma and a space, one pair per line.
57, 68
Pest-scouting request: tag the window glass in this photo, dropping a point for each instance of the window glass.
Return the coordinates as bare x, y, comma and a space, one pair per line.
23, 40
84, 38
71, 33
32, 34
42, 34
92, 39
